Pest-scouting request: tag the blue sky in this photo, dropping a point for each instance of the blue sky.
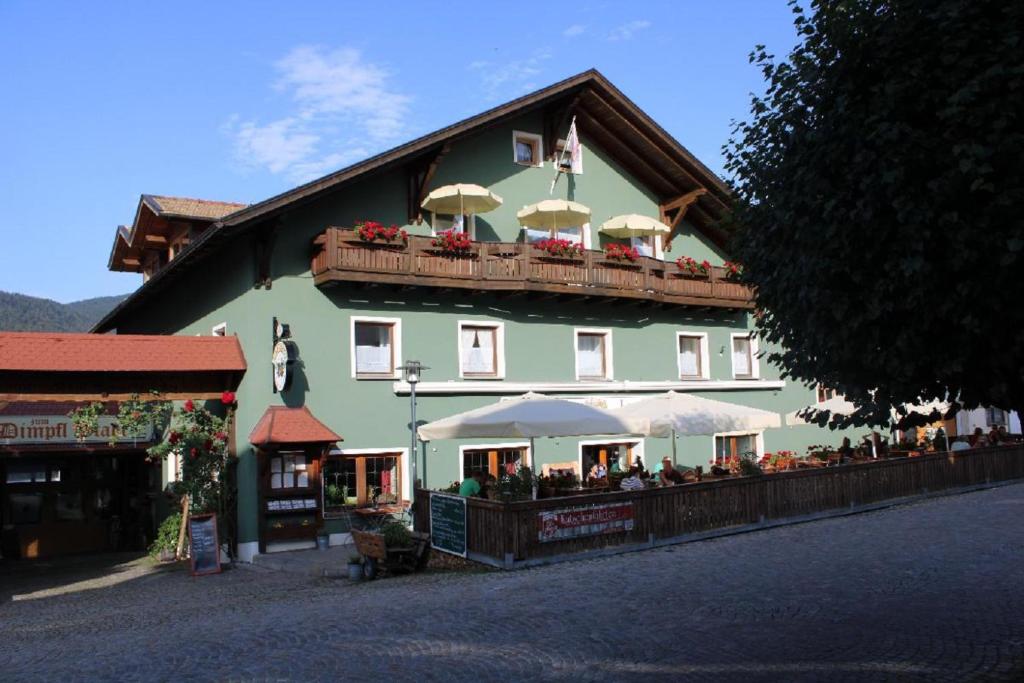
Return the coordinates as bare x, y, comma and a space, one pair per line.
240, 101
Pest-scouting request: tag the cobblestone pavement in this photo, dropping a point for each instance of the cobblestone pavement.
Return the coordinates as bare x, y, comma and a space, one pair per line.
929, 591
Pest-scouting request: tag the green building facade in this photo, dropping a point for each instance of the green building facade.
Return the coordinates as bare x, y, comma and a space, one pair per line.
529, 341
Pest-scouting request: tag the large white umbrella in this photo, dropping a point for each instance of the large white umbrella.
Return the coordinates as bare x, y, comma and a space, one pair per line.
634, 225
837, 405
672, 413
529, 416
549, 214
460, 199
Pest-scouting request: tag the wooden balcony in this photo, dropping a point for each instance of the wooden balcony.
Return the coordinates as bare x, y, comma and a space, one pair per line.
513, 267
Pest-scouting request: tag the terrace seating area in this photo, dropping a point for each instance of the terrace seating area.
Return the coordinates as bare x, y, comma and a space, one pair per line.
516, 267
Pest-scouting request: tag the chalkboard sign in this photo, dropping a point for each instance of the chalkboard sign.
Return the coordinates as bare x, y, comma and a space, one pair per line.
204, 544
448, 523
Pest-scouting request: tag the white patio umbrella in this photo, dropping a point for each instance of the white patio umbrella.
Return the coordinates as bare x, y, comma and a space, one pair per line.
672, 413
551, 213
529, 416
838, 405
634, 225
460, 199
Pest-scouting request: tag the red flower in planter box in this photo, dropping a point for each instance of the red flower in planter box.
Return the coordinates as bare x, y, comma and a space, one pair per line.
228, 398
690, 265
732, 269
452, 242
559, 247
368, 231
620, 252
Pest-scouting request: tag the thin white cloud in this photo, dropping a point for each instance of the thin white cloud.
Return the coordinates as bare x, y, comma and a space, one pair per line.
329, 91
627, 31
508, 80
574, 30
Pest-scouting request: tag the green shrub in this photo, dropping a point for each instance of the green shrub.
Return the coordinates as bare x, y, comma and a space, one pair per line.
166, 535
396, 535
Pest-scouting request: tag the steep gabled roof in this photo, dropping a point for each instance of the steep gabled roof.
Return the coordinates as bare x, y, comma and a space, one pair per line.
635, 140
283, 425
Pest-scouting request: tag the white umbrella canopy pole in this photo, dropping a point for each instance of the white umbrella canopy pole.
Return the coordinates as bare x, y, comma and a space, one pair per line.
696, 416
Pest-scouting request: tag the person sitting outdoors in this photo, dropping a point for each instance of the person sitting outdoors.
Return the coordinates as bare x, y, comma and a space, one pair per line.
472, 484
993, 436
489, 489
846, 450
669, 476
977, 436
602, 471
633, 482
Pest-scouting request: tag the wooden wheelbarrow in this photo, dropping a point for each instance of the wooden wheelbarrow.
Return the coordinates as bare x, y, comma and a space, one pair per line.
378, 557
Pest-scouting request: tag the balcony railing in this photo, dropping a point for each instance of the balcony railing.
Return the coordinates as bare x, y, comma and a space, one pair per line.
340, 256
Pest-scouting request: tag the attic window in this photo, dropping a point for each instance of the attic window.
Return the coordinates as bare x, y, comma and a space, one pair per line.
526, 148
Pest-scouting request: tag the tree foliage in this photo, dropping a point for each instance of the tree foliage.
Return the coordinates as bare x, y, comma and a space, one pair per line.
880, 203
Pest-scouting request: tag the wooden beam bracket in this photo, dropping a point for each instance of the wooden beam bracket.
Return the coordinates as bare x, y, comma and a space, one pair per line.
418, 177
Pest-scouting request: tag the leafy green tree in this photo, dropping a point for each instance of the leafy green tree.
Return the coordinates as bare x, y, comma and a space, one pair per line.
880, 202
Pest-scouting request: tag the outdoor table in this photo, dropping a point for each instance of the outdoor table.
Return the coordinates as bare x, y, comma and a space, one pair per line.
380, 511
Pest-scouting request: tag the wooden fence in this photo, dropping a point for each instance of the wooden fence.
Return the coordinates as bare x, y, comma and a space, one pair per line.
508, 534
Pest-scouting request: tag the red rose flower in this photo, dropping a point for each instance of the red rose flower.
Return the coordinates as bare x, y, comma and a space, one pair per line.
228, 398
220, 436
173, 438
189, 406
194, 452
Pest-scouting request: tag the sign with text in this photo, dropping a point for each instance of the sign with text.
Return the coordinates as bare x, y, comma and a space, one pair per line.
592, 520
204, 545
448, 523
44, 429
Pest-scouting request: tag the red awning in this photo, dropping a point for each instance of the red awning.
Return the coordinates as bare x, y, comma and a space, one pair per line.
282, 425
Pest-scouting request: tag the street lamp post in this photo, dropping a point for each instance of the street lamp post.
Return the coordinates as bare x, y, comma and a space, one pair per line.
411, 372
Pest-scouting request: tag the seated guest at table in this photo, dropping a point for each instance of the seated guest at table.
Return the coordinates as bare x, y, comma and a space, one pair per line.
846, 450
633, 482
993, 436
489, 487
602, 471
940, 442
472, 484
669, 475
1004, 437
592, 474
978, 435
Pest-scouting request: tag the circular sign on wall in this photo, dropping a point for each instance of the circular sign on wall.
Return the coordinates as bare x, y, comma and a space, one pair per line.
281, 361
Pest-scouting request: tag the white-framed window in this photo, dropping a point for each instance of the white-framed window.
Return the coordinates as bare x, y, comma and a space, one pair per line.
358, 477
564, 164
443, 223
995, 417
743, 349
823, 393
376, 347
692, 356
578, 233
649, 245
494, 458
220, 330
728, 444
481, 349
593, 354
527, 149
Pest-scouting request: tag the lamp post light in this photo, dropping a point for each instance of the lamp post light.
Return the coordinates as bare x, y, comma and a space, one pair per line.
411, 373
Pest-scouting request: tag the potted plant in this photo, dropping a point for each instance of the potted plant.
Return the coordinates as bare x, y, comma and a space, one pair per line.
560, 248
690, 267
732, 270
370, 231
620, 252
452, 243
165, 545
355, 567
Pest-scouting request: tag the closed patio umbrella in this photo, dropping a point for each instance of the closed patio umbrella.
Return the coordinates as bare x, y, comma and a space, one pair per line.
673, 413
549, 214
460, 199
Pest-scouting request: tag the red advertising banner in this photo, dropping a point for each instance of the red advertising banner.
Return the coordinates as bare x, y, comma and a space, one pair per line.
592, 520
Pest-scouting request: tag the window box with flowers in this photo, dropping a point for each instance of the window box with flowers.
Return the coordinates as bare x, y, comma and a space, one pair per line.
621, 253
560, 248
693, 269
372, 232
733, 271
452, 243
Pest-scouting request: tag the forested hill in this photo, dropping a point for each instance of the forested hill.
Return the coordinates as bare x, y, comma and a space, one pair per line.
28, 313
